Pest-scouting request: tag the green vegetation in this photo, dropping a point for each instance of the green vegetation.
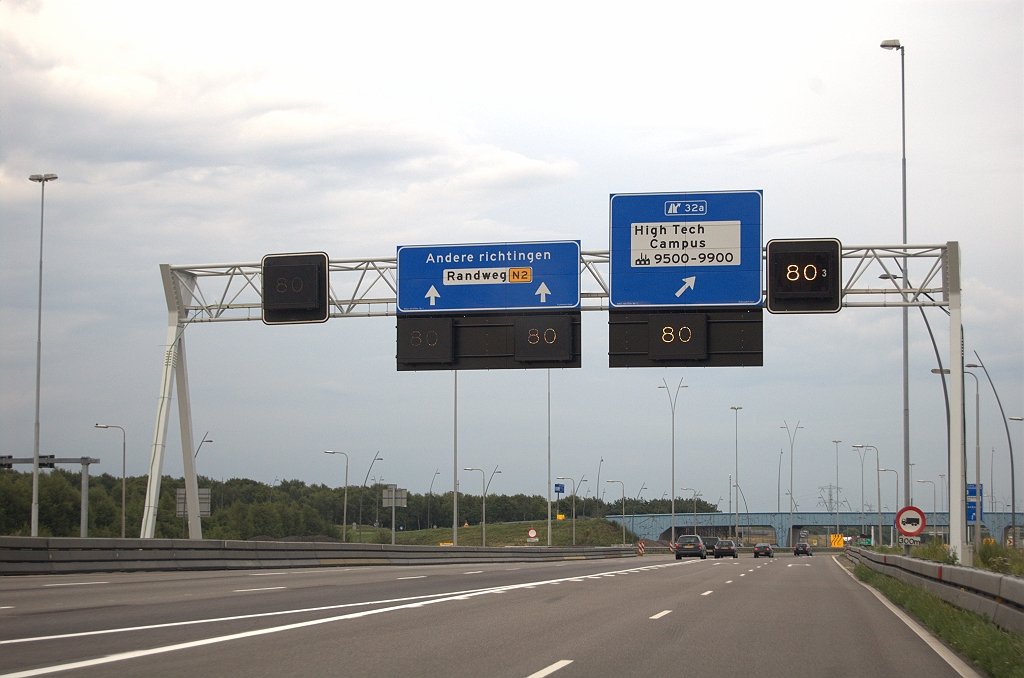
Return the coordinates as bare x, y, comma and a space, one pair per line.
592, 532
244, 509
1000, 559
997, 652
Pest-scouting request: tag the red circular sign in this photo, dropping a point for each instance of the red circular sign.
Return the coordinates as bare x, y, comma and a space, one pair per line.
910, 521
531, 533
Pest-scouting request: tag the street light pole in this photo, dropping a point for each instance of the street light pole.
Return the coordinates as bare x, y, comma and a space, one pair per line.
344, 510
1009, 443
376, 458
977, 458
895, 44
672, 400
41, 179
933, 504
792, 437
690, 489
892, 470
861, 453
430, 494
483, 506
124, 457
736, 477
837, 484
623, 507
573, 506
878, 482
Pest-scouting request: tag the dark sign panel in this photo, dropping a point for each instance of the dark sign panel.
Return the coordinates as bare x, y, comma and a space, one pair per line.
488, 341
295, 288
710, 337
805, 276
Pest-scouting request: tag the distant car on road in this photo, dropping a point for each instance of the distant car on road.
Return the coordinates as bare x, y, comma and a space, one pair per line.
724, 547
803, 547
764, 550
709, 543
690, 545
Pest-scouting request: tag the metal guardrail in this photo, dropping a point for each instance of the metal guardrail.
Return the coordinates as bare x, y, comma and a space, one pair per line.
999, 596
42, 555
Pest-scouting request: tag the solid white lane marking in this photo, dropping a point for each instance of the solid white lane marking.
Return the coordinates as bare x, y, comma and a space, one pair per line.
661, 614
548, 670
270, 574
707, 593
77, 583
955, 662
419, 576
408, 600
268, 588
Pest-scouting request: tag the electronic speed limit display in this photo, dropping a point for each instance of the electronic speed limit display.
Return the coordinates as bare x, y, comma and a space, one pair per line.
805, 276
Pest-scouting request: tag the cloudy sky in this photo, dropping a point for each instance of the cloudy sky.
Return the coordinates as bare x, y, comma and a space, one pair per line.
206, 133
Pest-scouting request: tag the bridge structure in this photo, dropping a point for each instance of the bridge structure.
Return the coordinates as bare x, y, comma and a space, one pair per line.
657, 526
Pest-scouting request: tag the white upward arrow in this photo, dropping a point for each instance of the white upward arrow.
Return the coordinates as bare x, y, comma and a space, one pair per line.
687, 285
433, 294
543, 291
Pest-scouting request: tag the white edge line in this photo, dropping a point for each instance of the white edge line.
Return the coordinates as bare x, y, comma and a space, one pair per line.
547, 671
77, 583
324, 608
950, 658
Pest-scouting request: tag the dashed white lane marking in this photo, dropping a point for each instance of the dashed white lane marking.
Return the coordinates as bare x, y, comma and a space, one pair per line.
955, 662
77, 583
268, 588
707, 593
661, 614
6, 607
394, 604
729, 582
512, 569
548, 670
752, 570
265, 574
419, 576
744, 574
473, 572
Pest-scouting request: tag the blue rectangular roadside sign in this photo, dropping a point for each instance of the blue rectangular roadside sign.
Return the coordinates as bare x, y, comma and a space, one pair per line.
489, 277
972, 504
685, 249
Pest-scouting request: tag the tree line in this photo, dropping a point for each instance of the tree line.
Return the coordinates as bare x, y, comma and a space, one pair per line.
243, 509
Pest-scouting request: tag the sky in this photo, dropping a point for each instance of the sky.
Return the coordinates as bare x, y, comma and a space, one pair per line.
203, 133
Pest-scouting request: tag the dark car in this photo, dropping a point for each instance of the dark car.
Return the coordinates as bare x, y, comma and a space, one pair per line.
709, 543
764, 550
724, 548
690, 545
803, 547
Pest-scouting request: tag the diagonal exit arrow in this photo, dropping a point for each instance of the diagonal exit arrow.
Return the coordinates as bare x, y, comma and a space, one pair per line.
543, 291
687, 285
433, 294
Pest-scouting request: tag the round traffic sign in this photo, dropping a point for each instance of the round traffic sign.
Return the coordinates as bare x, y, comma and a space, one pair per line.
532, 533
910, 521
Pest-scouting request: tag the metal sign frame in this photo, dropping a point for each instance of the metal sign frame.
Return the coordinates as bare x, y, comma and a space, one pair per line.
366, 287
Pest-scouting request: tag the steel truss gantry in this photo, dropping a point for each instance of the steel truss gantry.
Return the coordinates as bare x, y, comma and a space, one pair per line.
367, 287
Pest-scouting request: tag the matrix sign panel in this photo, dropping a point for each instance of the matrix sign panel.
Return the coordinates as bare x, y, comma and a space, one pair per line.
708, 337
488, 342
805, 276
295, 288
489, 277
685, 249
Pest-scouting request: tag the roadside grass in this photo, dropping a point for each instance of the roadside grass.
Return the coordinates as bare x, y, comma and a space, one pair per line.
589, 532
997, 652
993, 557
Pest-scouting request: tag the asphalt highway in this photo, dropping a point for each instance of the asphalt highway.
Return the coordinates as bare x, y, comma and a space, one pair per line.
626, 617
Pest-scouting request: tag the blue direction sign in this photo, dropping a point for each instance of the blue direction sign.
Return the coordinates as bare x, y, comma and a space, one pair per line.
489, 277
972, 504
685, 249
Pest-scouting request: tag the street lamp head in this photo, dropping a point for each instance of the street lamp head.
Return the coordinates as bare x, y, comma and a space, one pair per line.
940, 371
102, 426
42, 178
858, 446
1016, 418
736, 408
972, 365
890, 44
